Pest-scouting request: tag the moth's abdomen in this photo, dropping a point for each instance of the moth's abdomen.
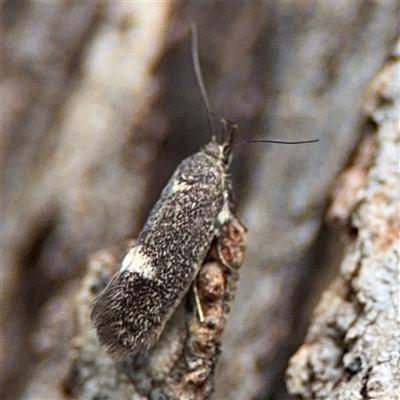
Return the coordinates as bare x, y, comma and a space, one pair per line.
131, 313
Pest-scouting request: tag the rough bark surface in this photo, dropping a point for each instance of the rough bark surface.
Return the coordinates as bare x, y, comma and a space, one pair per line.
352, 349
100, 104
180, 366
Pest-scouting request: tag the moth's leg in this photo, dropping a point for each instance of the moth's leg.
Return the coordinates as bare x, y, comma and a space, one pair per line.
225, 215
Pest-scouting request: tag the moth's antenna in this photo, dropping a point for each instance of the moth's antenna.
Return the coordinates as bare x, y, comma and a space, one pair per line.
282, 142
199, 77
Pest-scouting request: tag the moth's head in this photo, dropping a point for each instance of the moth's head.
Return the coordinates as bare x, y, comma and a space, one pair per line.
222, 150
219, 152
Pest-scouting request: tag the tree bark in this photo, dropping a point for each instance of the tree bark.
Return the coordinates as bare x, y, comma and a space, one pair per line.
100, 104
182, 363
352, 348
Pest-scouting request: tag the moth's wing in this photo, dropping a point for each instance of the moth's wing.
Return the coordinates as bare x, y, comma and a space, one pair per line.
130, 313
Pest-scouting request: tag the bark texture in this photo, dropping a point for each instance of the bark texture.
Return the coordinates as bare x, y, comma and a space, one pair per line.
100, 104
180, 366
352, 349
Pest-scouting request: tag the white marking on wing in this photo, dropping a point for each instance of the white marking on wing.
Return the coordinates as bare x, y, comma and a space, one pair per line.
180, 186
137, 261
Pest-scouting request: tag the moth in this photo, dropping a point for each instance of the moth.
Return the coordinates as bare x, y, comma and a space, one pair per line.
131, 313
156, 273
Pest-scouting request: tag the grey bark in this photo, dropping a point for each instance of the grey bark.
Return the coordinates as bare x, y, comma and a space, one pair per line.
99, 104
352, 348
182, 363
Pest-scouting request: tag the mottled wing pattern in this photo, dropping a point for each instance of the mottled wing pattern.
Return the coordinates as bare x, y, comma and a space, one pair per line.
131, 312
